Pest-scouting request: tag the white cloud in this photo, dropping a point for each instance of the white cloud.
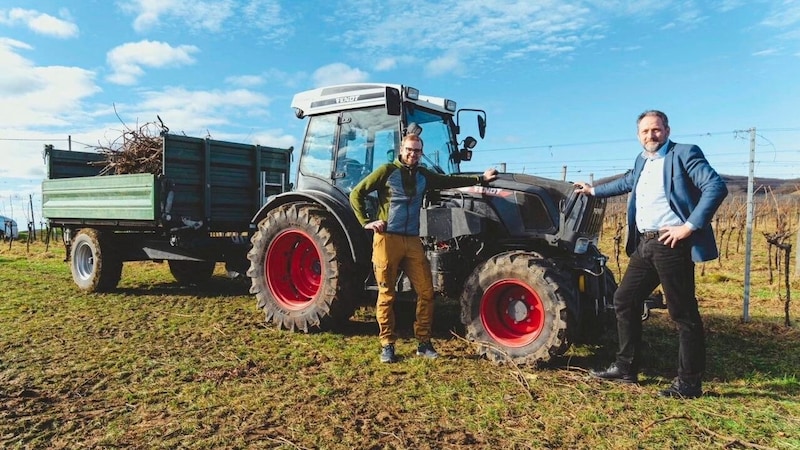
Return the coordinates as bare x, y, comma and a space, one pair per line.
245, 80
449, 63
496, 30
686, 18
268, 17
195, 112
785, 14
35, 96
41, 105
478, 33
215, 16
39, 23
273, 138
338, 73
641, 8
729, 5
197, 14
386, 64
767, 52
126, 61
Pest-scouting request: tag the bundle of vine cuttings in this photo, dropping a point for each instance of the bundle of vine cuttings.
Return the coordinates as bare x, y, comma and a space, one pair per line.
138, 150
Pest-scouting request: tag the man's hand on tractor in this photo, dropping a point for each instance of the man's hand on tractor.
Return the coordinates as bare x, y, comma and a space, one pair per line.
378, 226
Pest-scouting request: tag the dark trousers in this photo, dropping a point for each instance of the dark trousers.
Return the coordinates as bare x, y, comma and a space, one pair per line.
653, 263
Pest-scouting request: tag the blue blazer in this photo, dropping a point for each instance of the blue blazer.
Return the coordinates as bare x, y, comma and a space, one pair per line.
694, 191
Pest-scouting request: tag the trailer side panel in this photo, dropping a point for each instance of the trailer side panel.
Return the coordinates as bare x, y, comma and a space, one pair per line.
118, 197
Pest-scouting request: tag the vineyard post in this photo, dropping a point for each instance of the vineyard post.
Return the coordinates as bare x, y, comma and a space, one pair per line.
749, 235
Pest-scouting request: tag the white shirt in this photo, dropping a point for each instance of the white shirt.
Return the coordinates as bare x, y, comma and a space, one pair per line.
652, 207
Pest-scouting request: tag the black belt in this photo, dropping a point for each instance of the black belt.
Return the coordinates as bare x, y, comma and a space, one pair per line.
647, 235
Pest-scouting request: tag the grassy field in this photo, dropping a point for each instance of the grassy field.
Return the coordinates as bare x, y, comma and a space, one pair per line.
154, 365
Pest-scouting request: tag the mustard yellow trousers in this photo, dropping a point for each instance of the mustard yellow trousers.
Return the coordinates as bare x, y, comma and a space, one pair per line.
391, 252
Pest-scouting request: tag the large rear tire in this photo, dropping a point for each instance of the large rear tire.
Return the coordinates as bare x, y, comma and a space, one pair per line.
188, 273
299, 269
93, 263
514, 308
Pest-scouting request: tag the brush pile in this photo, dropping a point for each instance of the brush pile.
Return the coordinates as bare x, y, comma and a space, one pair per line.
137, 150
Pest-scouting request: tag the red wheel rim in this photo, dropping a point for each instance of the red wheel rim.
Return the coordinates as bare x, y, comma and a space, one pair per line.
512, 313
293, 269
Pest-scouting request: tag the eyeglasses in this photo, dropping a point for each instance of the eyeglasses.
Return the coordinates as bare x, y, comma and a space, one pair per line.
413, 150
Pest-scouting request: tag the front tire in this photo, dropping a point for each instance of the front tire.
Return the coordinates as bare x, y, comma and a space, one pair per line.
93, 264
299, 269
514, 307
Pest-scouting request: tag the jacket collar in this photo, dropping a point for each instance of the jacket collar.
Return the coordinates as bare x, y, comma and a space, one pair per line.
399, 164
662, 152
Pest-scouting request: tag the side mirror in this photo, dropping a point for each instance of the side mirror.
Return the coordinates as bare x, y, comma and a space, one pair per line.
482, 126
465, 154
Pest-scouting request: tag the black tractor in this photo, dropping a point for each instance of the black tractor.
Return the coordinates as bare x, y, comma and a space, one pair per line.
520, 254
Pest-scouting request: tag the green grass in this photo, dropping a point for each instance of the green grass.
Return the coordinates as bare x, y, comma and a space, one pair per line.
154, 365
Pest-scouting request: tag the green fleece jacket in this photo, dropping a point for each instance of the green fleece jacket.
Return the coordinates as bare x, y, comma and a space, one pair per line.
400, 192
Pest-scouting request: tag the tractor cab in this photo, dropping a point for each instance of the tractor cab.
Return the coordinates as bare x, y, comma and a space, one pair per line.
354, 128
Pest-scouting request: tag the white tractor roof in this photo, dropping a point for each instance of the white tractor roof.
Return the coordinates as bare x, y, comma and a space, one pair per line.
359, 95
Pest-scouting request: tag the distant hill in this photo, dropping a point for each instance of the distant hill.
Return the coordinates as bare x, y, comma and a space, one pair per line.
737, 185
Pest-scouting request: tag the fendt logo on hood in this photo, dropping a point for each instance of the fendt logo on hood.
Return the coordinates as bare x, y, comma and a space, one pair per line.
490, 191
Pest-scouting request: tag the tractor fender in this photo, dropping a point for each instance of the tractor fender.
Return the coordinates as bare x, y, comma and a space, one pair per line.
358, 240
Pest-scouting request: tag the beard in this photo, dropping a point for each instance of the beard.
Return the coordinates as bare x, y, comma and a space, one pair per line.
652, 146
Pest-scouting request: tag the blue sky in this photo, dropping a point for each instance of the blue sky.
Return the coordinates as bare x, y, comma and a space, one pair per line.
562, 81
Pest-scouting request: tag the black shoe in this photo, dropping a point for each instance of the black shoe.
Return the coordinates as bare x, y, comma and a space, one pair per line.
615, 373
682, 389
387, 354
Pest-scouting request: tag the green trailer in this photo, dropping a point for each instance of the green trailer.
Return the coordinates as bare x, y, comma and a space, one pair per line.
196, 212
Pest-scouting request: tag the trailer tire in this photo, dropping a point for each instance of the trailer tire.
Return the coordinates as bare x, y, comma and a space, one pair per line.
93, 263
514, 306
299, 269
191, 273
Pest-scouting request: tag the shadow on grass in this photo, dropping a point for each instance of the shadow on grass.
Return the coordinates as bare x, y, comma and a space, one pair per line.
735, 351
214, 287
765, 353
446, 319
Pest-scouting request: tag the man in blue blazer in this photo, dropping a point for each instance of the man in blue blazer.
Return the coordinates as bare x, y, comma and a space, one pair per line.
674, 194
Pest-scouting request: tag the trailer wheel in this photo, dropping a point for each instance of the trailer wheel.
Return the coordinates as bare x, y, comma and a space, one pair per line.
514, 308
299, 269
94, 266
188, 273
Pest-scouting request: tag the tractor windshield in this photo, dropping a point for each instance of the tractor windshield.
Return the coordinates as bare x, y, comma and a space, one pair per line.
437, 134
341, 148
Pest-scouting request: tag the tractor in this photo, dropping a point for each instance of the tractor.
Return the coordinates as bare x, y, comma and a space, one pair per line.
520, 254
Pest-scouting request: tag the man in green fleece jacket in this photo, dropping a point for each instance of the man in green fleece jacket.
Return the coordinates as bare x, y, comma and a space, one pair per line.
401, 186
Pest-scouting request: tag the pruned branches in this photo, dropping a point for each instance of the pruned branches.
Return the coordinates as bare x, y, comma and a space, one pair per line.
136, 150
